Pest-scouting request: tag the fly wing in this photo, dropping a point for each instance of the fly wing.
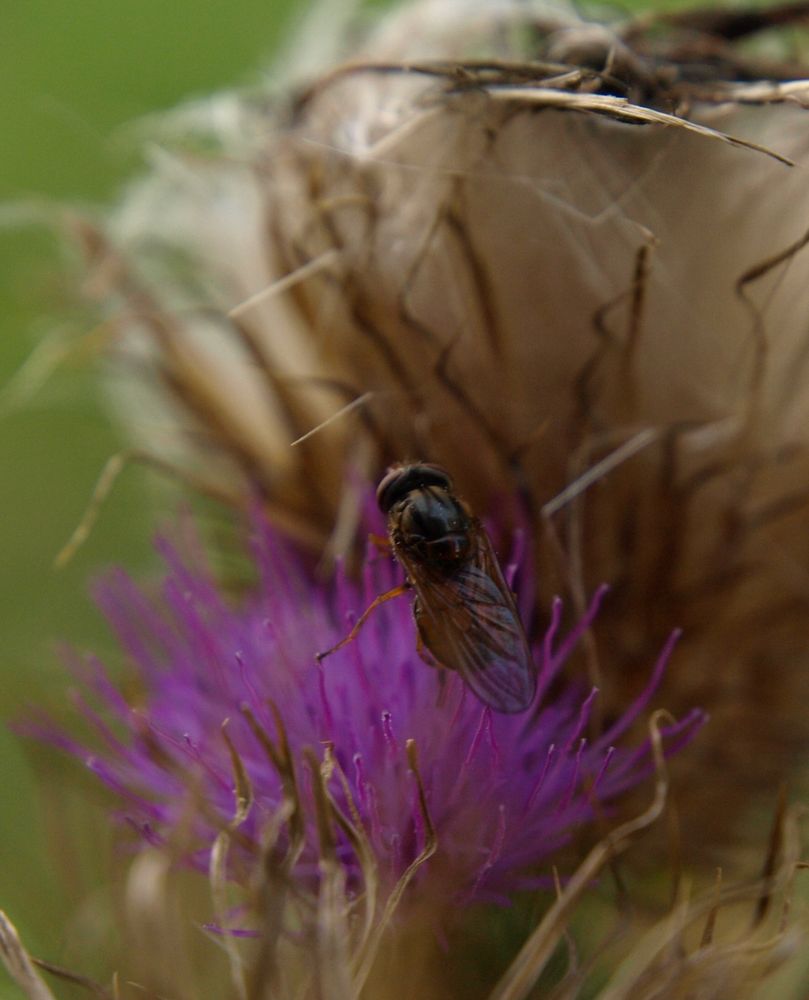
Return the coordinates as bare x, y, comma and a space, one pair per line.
470, 623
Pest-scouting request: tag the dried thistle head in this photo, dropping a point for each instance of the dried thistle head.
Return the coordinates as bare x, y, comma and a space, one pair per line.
566, 260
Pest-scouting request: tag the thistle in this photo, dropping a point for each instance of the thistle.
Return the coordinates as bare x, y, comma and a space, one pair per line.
566, 260
558, 257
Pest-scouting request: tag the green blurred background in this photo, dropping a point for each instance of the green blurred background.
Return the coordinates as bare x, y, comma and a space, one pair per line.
72, 74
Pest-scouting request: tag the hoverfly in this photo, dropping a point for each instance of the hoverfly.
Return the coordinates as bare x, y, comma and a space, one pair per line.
465, 613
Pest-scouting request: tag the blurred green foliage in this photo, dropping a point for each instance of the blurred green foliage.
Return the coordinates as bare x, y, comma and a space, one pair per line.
72, 73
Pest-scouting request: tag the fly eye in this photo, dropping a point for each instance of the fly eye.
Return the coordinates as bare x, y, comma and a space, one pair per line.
403, 479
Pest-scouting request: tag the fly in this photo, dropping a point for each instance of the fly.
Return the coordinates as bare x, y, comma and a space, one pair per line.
465, 613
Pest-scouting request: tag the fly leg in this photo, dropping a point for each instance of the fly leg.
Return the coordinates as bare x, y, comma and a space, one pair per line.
378, 547
363, 618
380, 542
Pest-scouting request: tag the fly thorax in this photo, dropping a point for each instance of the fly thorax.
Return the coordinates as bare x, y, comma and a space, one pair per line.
435, 526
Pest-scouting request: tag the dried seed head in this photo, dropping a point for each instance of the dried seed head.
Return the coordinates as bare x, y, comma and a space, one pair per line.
559, 258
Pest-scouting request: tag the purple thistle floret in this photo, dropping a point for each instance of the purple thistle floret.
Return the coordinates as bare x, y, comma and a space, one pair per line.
502, 792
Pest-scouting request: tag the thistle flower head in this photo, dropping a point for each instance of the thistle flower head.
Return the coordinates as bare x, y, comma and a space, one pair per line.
547, 252
416, 768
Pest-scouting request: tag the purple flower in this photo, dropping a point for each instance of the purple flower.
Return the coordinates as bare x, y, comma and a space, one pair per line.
414, 767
